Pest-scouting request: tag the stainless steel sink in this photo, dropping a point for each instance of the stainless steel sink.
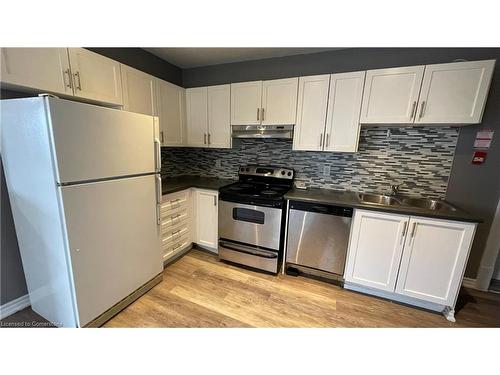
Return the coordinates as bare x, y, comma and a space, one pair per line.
428, 204
379, 199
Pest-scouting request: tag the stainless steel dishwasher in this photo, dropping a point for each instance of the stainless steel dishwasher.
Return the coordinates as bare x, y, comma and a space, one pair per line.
318, 236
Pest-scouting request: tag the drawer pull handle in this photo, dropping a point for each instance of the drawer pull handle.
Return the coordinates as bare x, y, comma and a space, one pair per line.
79, 86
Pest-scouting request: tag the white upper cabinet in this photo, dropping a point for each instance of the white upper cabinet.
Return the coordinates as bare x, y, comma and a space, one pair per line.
95, 77
246, 101
434, 259
391, 95
311, 113
208, 116
344, 107
455, 92
171, 112
279, 101
375, 249
219, 116
264, 102
41, 69
197, 117
138, 91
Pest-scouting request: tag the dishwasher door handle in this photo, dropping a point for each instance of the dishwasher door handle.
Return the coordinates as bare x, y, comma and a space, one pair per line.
248, 250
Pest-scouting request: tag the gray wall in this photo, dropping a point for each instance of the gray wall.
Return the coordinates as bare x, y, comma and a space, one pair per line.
12, 282
475, 188
145, 61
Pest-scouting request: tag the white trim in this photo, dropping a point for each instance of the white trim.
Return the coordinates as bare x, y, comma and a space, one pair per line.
395, 297
467, 282
14, 306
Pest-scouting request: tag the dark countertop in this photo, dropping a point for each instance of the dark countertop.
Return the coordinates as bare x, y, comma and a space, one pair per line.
350, 199
174, 184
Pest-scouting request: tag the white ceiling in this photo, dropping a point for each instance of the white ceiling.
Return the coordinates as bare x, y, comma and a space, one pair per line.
195, 57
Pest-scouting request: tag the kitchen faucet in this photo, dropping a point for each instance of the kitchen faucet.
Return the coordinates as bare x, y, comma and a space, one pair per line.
395, 189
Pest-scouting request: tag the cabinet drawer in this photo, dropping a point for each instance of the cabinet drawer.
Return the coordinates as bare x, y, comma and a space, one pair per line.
174, 201
171, 237
173, 212
172, 228
173, 248
173, 217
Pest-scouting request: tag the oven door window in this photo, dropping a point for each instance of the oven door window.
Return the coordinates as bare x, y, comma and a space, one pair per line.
250, 216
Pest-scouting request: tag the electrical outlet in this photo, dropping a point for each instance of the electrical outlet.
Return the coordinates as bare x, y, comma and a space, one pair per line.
218, 163
326, 170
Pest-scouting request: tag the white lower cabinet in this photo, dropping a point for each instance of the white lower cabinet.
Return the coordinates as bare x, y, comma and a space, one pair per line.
188, 216
434, 259
176, 223
206, 218
415, 260
375, 249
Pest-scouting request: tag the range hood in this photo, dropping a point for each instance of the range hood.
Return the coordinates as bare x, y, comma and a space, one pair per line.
262, 131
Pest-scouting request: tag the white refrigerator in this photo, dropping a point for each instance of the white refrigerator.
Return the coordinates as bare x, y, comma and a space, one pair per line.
84, 186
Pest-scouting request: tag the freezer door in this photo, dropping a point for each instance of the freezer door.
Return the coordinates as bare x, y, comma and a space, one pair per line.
113, 240
92, 142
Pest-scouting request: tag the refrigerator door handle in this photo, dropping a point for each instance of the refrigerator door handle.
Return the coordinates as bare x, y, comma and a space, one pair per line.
157, 155
158, 199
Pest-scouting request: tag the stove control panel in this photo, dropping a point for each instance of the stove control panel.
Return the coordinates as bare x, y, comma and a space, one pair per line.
276, 172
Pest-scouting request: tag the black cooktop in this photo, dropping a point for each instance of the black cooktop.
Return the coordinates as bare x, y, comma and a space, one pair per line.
259, 185
256, 193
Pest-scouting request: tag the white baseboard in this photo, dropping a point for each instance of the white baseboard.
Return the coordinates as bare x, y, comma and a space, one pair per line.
14, 306
467, 282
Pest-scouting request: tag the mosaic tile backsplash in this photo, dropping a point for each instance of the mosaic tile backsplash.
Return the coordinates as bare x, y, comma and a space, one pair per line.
420, 158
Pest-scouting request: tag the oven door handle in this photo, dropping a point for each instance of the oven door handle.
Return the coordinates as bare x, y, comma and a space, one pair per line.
249, 250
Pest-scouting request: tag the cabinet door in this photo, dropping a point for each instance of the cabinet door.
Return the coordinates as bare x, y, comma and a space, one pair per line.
171, 112
197, 117
138, 91
391, 95
206, 206
455, 93
375, 249
434, 259
246, 103
279, 101
344, 107
311, 113
41, 69
95, 77
219, 116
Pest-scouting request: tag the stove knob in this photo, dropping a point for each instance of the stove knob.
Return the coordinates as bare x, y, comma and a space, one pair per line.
247, 169
289, 173
283, 173
242, 169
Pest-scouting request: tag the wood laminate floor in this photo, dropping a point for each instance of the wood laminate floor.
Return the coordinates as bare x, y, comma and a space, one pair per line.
200, 291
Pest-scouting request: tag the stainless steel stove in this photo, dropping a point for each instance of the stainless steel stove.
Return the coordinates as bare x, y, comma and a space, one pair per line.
251, 217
